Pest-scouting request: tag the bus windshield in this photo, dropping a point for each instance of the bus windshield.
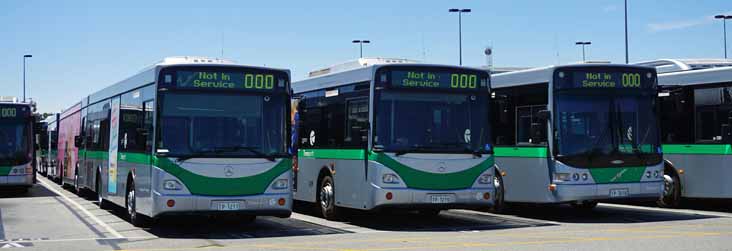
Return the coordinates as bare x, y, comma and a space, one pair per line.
616, 126
14, 139
222, 125
432, 122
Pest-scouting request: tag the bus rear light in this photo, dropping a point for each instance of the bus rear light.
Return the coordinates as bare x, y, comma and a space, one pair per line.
281, 201
389, 196
171, 203
553, 187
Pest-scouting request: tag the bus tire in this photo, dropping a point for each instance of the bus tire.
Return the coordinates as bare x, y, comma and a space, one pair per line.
326, 199
101, 202
671, 197
499, 203
131, 205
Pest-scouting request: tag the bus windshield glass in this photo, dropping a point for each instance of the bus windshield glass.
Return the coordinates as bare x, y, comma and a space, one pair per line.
590, 127
432, 122
222, 125
14, 142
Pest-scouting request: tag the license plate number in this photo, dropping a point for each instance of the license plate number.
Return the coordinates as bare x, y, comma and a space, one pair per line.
615, 193
441, 199
227, 205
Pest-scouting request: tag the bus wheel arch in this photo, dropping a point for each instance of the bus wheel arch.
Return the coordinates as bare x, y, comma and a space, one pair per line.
671, 197
326, 191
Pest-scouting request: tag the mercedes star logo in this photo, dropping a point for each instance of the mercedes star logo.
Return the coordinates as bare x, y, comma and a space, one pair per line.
229, 171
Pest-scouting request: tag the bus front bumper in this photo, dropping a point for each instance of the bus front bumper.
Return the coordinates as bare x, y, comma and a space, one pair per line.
17, 180
603, 192
259, 205
441, 199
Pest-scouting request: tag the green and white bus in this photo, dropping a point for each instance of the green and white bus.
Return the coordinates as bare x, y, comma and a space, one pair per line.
696, 116
188, 135
17, 145
389, 133
577, 134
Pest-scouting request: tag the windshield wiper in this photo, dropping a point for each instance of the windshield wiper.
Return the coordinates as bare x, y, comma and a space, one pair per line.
226, 149
248, 148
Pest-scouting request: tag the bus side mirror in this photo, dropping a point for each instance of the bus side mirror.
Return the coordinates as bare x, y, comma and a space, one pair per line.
543, 114
77, 141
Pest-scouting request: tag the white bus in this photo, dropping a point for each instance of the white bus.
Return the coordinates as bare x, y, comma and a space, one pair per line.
696, 115
577, 134
187, 135
17, 145
390, 133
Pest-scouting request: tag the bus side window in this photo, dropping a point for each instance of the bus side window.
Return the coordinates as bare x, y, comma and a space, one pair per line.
356, 121
148, 114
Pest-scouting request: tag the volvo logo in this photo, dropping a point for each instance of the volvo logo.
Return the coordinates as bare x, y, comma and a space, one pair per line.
229, 171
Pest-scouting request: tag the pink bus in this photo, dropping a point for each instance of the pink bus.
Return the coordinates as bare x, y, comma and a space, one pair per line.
68, 154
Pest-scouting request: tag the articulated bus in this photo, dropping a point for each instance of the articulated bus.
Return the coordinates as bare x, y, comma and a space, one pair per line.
17, 145
383, 133
696, 117
577, 134
188, 135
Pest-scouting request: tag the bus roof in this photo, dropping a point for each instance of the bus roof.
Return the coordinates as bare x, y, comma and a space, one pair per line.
677, 65
697, 77
541, 74
344, 76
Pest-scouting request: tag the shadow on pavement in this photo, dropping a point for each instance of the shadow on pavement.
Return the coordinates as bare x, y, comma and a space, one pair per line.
601, 214
712, 205
446, 221
34, 192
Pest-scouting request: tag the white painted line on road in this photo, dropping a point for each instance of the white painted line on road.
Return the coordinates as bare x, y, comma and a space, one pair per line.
665, 210
508, 217
74, 240
82, 209
334, 224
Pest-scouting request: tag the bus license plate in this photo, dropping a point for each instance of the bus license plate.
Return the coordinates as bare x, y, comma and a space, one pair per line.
441, 198
616, 193
227, 205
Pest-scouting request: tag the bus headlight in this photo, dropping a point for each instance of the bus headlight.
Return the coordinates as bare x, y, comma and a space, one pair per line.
485, 179
585, 176
575, 176
390, 178
562, 176
648, 174
171, 185
280, 184
655, 174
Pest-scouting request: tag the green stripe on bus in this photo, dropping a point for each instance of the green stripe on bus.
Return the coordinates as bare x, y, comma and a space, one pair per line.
417, 179
331, 153
138, 158
698, 149
523, 152
5, 170
210, 186
617, 174
413, 178
94, 154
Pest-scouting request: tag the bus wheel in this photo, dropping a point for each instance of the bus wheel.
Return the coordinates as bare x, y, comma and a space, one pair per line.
131, 205
103, 204
499, 204
326, 199
584, 205
76, 188
671, 191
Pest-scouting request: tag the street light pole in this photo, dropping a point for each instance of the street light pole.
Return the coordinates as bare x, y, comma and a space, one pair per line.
724, 30
583, 48
460, 30
360, 44
24, 57
626, 31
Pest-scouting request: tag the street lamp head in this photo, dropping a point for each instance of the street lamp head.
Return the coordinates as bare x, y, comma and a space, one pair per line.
356, 41
465, 10
27, 56
719, 16
728, 17
454, 10
366, 41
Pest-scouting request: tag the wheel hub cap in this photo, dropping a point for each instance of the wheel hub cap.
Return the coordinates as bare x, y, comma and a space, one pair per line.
326, 195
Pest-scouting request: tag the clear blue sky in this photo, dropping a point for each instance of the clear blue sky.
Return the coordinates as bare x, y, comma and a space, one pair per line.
82, 46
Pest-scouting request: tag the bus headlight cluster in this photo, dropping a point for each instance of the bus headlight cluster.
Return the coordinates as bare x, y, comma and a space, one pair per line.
280, 184
390, 178
22, 170
485, 179
171, 185
655, 174
570, 176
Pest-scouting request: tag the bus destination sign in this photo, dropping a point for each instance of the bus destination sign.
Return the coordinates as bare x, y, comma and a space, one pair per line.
229, 80
604, 80
14, 112
436, 80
